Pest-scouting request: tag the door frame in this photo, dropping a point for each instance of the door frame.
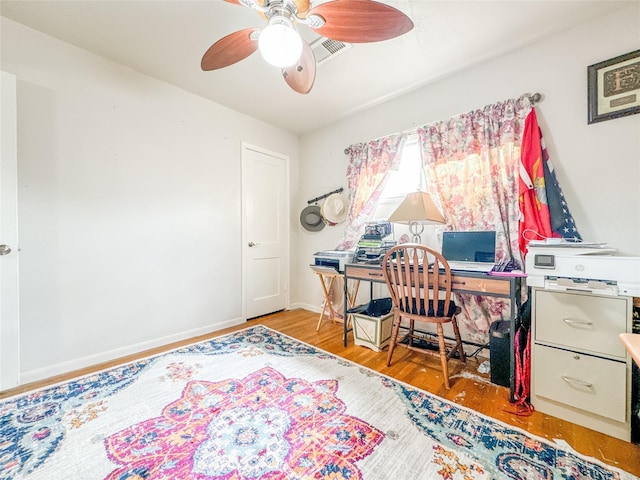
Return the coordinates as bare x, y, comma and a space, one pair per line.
287, 223
9, 270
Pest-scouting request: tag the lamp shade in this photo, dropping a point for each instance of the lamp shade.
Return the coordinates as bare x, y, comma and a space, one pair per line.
417, 207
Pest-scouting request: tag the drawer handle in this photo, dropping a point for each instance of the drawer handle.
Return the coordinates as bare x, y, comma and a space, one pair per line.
571, 321
582, 383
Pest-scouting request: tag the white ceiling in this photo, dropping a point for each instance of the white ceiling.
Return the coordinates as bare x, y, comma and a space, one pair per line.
166, 40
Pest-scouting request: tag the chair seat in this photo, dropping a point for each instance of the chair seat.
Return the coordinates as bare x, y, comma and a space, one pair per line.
420, 310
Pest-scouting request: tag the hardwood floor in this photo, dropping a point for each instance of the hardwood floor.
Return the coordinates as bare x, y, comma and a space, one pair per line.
468, 387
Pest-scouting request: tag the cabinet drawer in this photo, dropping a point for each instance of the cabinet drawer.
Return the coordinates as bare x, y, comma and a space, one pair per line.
363, 272
579, 321
593, 384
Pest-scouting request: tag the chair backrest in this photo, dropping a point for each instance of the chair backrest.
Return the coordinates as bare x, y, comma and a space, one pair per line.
417, 276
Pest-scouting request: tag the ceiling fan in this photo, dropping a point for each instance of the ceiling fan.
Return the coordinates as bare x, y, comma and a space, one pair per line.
350, 21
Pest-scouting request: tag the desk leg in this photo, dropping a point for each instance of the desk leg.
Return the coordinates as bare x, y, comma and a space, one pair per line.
346, 307
512, 356
349, 301
516, 300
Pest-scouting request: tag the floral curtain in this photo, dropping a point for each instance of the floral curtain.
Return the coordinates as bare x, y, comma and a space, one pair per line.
471, 164
367, 174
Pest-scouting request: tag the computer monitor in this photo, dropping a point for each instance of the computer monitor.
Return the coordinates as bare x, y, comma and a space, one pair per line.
477, 246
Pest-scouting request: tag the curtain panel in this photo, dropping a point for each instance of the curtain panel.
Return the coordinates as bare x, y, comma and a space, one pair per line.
370, 165
471, 163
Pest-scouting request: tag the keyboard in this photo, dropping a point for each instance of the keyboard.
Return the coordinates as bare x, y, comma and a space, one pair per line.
472, 266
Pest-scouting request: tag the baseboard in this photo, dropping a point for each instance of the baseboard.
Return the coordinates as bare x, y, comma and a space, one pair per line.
305, 306
90, 360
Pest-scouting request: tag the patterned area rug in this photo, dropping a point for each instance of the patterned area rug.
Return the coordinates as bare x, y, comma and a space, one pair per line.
257, 404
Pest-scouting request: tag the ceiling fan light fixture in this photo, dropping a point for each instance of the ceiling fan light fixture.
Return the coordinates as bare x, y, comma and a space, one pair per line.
341, 21
279, 42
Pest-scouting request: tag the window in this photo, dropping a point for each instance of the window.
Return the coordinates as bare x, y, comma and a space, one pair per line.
408, 178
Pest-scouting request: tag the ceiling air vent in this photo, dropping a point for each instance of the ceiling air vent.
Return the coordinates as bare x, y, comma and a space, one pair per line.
325, 49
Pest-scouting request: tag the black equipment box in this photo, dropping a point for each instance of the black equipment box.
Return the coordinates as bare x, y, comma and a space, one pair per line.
499, 346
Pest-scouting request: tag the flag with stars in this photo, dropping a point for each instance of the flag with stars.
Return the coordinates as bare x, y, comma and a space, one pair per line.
544, 212
562, 222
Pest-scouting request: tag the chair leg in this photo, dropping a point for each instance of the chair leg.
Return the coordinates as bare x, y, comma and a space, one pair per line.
456, 331
397, 319
351, 300
443, 356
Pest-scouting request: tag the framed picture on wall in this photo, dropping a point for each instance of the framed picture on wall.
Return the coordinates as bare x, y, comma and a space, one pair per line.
613, 87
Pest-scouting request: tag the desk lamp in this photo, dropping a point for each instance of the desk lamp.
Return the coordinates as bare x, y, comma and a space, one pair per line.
416, 210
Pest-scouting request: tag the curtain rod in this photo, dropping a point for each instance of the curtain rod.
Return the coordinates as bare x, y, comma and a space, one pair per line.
533, 98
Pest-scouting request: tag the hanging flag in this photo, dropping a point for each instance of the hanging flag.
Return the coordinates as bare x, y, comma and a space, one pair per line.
562, 222
543, 209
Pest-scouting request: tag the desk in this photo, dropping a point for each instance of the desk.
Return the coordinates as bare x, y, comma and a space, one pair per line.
461, 282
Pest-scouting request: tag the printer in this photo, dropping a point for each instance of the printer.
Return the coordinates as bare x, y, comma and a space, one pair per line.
591, 268
333, 258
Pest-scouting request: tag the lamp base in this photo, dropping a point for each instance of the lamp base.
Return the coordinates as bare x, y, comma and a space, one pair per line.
416, 229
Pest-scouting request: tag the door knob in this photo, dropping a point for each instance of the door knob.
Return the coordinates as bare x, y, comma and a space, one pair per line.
5, 249
254, 244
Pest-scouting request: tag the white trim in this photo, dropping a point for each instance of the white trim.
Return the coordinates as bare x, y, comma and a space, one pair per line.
305, 306
90, 360
9, 270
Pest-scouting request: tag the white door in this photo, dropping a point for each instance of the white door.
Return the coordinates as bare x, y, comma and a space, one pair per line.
265, 195
9, 318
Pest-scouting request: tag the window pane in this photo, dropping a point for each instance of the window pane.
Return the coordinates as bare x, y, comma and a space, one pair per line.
409, 177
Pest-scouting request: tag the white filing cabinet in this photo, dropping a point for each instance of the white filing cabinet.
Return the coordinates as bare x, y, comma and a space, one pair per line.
580, 371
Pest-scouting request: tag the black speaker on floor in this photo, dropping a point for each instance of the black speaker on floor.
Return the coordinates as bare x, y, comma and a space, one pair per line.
499, 341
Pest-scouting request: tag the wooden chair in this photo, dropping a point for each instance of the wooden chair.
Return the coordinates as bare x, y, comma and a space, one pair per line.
419, 281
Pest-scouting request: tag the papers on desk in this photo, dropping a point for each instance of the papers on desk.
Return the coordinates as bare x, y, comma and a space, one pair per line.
563, 243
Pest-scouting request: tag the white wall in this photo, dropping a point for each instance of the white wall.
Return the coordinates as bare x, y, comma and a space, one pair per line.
129, 205
598, 165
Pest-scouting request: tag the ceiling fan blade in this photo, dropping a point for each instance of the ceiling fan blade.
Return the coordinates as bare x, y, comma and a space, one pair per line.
302, 6
360, 21
230, 49
302, 74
